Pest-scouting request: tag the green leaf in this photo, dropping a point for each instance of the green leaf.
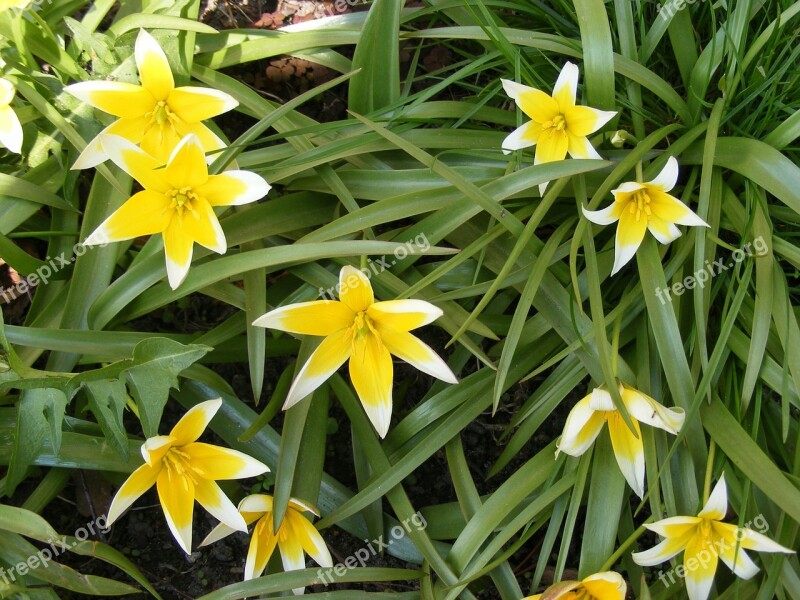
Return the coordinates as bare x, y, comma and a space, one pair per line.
107, 399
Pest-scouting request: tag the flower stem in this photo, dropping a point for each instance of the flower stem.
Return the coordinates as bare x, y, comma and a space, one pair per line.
709, 468
639, 175
624, 547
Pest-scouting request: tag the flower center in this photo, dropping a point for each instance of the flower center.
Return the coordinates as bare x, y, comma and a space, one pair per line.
362, 325
640, 202
178, 463
557, 123
182, 200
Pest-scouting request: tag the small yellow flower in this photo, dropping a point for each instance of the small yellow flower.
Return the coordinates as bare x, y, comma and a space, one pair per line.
155, 114
557, 125
704, 540
295, 537
588, 416
607, 585
642, 206
185, 470
365, 332
177, 201
10, 127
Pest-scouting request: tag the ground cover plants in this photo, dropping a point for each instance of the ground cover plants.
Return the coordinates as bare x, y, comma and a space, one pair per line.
553, 243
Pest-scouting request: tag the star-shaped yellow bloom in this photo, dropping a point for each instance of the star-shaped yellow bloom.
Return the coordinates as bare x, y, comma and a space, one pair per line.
155, 114
705, 539
295, 537
607, 585
642, 206
177, 201
557, 125
588, 416
365, 332
185, 470
10, 127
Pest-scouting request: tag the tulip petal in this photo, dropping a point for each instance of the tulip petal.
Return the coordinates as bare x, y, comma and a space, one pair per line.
622, 193
141, 480
371, 372
524, 136
752, 540
10, 129
628, 450
668, 176
607, 585
176, 493
515, 90
404, 315
702, 558
671, 209
195, 104
303, 506
210, 140
233, 188
538, 105
160, 141
661, 552
292, 555
309, 538
355, 289
717, 505
318, 317
581, 429
192, 425
262, 545
202, 225
324, 362
737, 560
213, 499
154, 70
136, 162
664, 231
565, 90
125, 100
645, 409
600, 400
7, 92
187, 166
256, 503
580, 147
154, 448
178, 248
144, 213
552, 146
219, 532
214, 462
415, 352
674, 527
94, 153
583, 120
606, 216
630, 234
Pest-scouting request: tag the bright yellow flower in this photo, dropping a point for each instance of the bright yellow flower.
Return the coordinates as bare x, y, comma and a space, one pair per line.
642, 206
705, 539
365, 332
177, 201
185, 470
295, 536
10, 127
156, 114
6, 4
557, 125
607, 585
588, 416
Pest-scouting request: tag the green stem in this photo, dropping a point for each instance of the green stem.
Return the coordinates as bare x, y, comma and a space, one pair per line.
709, 468
624, 547
639, 174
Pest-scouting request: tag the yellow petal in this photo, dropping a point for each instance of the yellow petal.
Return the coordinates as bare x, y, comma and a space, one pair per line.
262, 545
256, 503
606, 216
539, 106
675, 527
645, 409
214, 462
319, 317
371, 372
354, 289
661, 552
144, 213
752, 540
581, 429
219, 532
628, 450
566, 88
607, 585
292, 555
664, 231
7, 92
728, 542
187, 165
137, 163
668, 176
126, 100
176, 494
202, 225
154, 448
213, 499
579, 147
523, 136
10, 130
584, 120
233, 188
141, 480
309, 538
671, 209
160, 141
192, 425
154, 69
195, 104
630, 234
303, 506
178, 249
717, 504
552, 146
130, 129
210, 140
404, 315
326, 359
415, 352
700, 563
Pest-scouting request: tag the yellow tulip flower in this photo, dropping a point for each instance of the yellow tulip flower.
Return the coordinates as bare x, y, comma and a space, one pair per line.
177, 201
642, 206
10, 127
557, 125
295, 537
704, 540
185, 470
588, 416
365, 332
155, 114
607, 585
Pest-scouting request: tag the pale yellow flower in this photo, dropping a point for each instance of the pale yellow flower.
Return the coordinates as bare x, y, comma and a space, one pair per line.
607, 585
10, 127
